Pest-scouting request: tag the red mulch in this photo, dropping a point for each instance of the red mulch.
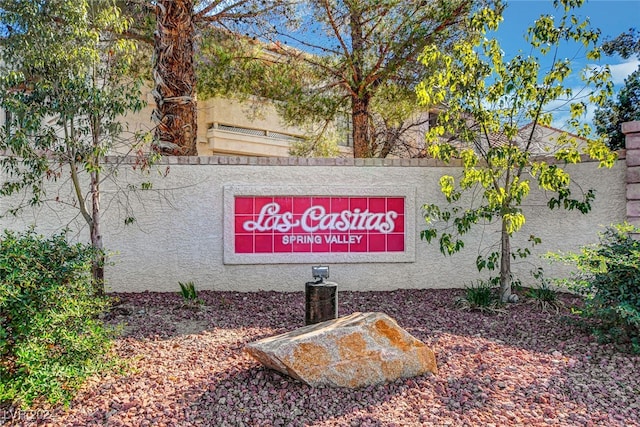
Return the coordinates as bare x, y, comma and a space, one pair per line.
187, 368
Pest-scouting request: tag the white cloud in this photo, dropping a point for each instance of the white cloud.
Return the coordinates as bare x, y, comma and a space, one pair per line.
621, 71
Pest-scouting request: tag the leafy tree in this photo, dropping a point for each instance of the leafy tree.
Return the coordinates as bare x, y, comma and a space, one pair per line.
63, 87
626, 108
357, 59
626, 44
260, 74
177, 25
485, 99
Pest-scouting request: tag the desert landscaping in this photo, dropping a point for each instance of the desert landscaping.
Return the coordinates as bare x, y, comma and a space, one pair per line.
186, 366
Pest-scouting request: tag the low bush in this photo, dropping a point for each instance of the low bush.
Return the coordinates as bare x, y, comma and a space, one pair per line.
481, 296
608, 277
188, 291
544, 296
51, 338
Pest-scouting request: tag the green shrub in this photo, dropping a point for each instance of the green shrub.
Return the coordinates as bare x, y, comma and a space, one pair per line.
51, 339
608, 277
188, 291
482, 296
544, 296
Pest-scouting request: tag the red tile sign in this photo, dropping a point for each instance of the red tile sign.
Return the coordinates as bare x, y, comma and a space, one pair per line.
311, 224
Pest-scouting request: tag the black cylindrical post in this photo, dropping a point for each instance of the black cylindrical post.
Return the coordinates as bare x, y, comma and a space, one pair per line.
321, 302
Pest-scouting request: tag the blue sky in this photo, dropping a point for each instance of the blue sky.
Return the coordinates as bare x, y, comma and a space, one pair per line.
612, 17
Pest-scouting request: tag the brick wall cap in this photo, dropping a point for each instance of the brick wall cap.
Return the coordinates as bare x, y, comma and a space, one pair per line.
631, 127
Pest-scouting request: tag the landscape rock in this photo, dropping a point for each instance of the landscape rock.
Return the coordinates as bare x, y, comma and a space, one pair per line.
352, 351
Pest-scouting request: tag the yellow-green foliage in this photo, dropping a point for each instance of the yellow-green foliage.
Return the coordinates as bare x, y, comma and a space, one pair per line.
488, 100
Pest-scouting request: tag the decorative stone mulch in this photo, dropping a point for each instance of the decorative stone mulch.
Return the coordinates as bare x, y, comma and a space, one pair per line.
187, 368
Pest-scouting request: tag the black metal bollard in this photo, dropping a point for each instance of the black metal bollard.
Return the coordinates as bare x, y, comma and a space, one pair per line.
321, 302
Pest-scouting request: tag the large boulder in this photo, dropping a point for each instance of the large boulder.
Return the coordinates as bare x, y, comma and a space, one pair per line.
352, 351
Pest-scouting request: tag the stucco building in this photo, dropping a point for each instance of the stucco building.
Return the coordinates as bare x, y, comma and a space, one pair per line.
254, 128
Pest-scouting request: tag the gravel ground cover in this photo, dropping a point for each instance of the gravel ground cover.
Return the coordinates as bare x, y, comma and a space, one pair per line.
187, 368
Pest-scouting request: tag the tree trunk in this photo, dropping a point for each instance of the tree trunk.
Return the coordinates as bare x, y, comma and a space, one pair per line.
97, 268
175, 79
360, 120
505, 264
360, 98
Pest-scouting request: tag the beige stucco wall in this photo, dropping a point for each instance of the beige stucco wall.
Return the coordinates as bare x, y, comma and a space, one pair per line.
179, 228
